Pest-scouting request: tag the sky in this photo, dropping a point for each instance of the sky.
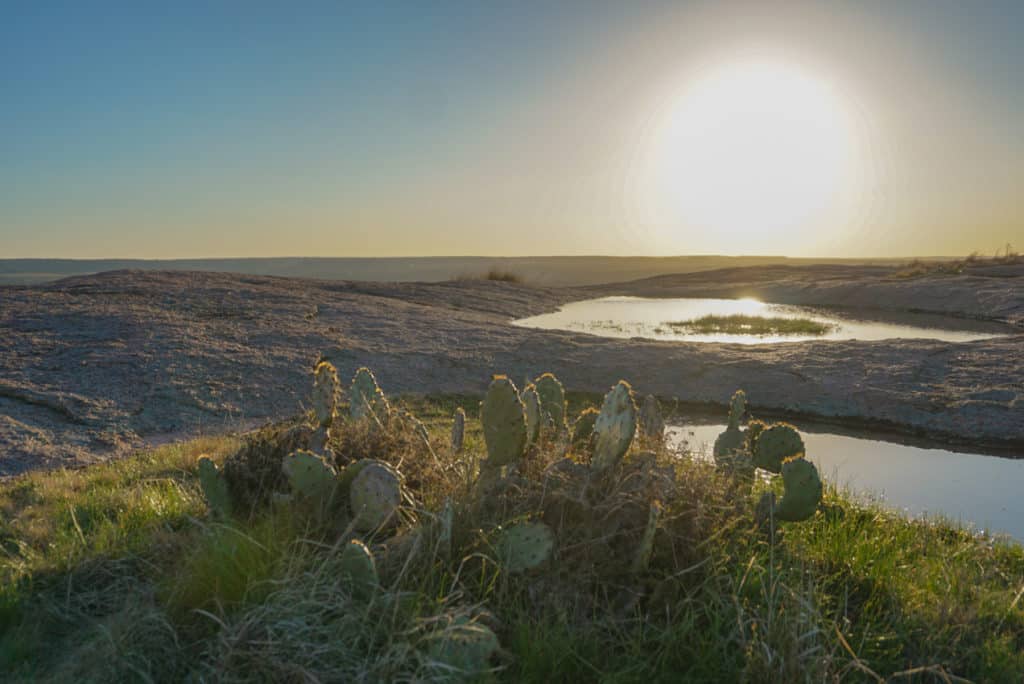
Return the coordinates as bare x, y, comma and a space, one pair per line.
237, 129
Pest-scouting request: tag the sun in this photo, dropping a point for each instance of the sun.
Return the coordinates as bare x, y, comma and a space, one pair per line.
755, 150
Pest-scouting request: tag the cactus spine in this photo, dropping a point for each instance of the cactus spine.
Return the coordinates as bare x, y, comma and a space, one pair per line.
614, 428
504, 421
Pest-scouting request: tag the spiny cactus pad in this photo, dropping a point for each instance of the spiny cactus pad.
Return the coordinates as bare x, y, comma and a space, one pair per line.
732, 440
357, 567
646, 549
312, 479
531, 402
504, 422
775, 444
215, 487
464, 646
525, 546
737, 408
325, 393
803, 491
583, 428
367, 398
374, 495
652, 425
614, 428
458, 429
552, 398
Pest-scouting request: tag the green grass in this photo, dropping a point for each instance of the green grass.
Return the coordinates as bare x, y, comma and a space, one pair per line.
741, 324
116, 573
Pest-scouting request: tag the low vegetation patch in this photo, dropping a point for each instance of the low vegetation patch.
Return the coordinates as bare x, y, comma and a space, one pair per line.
496, 274
741, 324
557, 549
918, 268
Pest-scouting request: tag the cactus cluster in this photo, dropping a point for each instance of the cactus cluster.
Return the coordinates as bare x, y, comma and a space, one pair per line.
777, 448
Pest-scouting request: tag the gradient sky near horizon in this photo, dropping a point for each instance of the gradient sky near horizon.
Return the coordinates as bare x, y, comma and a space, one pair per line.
215, 129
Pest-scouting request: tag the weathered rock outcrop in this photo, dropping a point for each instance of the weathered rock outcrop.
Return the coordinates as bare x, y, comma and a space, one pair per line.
93, 366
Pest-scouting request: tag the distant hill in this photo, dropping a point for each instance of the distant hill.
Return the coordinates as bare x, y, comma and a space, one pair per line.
554, 270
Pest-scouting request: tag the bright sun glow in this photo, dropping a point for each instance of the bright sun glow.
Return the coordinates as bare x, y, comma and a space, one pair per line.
755, 148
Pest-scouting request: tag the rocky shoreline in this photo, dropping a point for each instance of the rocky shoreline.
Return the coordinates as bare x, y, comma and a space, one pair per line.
95, 366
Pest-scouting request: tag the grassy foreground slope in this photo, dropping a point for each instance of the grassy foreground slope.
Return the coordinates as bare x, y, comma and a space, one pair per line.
117, 573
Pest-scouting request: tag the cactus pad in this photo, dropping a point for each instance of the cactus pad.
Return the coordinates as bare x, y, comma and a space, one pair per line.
504, 422
775, 444
737, 408
803, 491
374, 495
531, 402
614, 428
215, 487
646, 549
525, 546
552, 398
312, 479
367, 398
464, 646
583, 428
325, 393
652, 425
357, 567
728, 442
458, 430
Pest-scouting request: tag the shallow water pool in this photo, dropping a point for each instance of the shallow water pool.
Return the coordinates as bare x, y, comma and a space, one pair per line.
977, 490
647, 317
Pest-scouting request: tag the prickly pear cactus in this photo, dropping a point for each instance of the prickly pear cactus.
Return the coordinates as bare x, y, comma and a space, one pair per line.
215, 487
504, 422
646, 549
357, 567
446, 522
775, 444
583, 428
312, 479
552, 398
531, 402
728, 442
652, 425
525, 546
614, 428
458, 430
737, 409
464, 646
367, 398
803, 491
325, 393
754, 430
374, 495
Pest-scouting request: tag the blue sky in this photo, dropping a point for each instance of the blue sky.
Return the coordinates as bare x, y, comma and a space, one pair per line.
256, 129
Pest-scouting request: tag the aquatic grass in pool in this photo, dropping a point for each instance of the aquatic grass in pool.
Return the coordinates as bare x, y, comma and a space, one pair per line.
741, 324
